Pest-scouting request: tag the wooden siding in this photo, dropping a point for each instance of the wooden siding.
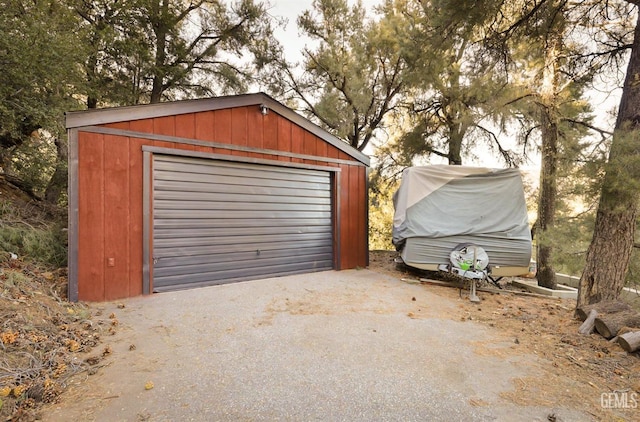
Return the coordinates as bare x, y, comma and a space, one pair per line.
91, 265
110, 199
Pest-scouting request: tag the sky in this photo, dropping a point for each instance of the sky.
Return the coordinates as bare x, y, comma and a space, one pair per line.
291, 9
289, 37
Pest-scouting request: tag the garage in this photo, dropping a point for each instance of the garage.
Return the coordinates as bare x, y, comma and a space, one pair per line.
195, 193
217, 222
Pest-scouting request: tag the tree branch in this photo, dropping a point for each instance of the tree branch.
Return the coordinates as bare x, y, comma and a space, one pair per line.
603, 133
506, 154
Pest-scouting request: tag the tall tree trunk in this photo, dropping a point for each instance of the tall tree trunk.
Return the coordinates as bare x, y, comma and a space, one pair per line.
58, 182
613, 237
549, 164
161, 11
9, 142
100, 22
92, 65
456, 135
547, 200
92, 70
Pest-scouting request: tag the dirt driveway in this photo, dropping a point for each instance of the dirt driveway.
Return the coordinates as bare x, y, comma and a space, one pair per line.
351, 346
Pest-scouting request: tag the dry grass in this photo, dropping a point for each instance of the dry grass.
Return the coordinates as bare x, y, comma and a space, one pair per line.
44, 340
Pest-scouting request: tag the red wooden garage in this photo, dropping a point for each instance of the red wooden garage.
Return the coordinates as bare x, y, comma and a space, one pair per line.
195, 193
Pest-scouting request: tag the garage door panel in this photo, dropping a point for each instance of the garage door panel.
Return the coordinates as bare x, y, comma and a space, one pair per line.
237, 231
228, 265
181, 283
241, 177
219, 277
243, 214
227, 206
216, 222
187, 197
230, 250
239, 183
253, 241
203, 223
222, 277
180, 259
187, 165
250, 190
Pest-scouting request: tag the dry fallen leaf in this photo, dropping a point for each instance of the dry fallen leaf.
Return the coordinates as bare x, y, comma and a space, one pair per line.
148, 385
17, 391
73, 345
8, 337
477, 402
92, 360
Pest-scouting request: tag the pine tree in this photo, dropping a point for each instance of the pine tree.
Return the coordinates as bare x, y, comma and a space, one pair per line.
144, 51
613, 240
39, 45
458, 89
350, 81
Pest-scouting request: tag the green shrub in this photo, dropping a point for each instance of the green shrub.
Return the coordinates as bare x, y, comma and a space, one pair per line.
32, 234
381, 214
46, 245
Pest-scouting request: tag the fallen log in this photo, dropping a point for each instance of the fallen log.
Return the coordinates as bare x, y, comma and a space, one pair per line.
589, 324
630, 342
606, 307
608, 325
625, 330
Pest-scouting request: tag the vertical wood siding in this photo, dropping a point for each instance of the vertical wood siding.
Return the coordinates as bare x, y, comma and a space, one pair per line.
91, 266
110, 189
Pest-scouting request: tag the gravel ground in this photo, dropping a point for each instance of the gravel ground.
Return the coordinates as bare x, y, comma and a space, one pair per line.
329, 346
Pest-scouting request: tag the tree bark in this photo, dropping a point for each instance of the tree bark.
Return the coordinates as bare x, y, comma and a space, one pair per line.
91, 72
609, 325
589, 324
608, 307
9, 142
609, 253
547, 198
58, 182
546, 275
457, 129
99, 23
454, 156
630, 341
159, 24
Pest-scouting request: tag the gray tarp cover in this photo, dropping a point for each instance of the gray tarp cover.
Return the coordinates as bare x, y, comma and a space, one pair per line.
438, 207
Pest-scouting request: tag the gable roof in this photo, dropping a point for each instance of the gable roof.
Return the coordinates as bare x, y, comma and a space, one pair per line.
79, 119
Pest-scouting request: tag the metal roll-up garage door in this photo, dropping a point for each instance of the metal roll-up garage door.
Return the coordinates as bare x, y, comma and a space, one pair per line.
217, 222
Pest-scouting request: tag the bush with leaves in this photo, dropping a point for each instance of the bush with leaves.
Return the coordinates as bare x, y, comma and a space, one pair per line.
381, 212
39, 238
